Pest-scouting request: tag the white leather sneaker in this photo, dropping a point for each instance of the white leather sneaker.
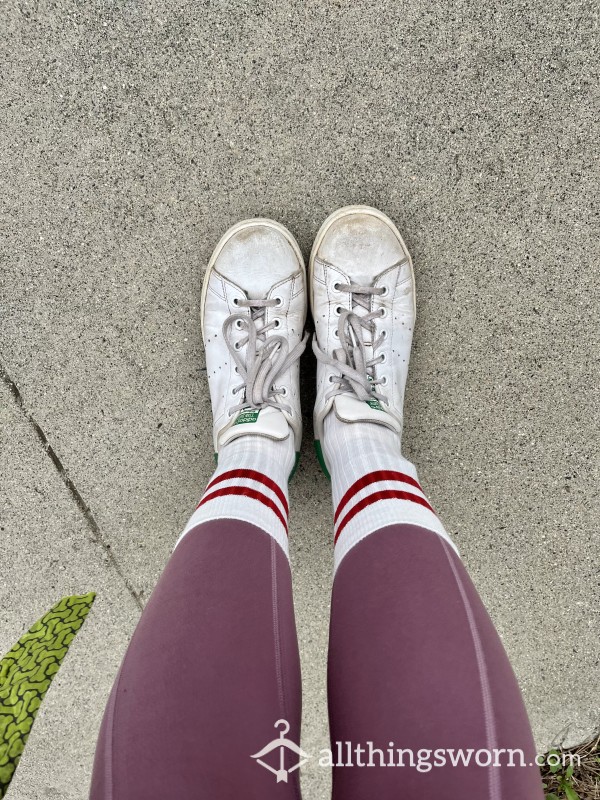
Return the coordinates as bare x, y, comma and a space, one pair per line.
253, 311
363, 302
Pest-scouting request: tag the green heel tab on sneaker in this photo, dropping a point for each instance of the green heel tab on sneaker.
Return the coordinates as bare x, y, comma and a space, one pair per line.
295, 467
321, 459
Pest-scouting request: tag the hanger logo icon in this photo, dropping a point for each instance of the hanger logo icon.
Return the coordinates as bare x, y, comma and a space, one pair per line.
282, 744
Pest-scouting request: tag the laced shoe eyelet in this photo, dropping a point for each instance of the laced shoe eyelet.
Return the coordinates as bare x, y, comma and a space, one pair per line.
336, 287
278, 301
283, 391
384, 381
238, 324
338, 310
382, 358
382, 312
235, 301
236, 346
277, 323
336, 334
385, 291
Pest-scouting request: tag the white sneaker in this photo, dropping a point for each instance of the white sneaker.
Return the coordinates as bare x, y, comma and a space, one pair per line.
363, 304
253, 312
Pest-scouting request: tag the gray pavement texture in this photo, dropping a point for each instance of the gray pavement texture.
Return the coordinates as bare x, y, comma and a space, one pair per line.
133, 134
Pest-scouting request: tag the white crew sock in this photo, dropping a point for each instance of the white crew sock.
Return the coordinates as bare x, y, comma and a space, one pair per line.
373, 485
250, 484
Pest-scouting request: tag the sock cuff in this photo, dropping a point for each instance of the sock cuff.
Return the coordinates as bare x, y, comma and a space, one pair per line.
373, 484
404, 516
243, 513
250, 484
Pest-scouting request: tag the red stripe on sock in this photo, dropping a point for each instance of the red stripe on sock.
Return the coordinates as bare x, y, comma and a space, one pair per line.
253, 475
385, 494
246, 491
367, 480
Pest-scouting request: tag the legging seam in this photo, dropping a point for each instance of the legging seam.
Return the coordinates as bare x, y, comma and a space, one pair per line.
276, 631
488, 707
278, 642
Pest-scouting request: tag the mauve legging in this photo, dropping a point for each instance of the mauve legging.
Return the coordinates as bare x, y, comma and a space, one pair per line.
413, 659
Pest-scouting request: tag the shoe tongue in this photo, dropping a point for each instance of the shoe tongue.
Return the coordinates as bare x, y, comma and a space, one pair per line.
349, 408
267, 422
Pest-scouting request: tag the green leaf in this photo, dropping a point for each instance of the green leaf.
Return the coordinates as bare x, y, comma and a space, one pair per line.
570, 792
552, 797
27, 671
554, 766
569, 772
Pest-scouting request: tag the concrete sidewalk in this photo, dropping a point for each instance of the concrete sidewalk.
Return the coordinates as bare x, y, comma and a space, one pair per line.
133, 135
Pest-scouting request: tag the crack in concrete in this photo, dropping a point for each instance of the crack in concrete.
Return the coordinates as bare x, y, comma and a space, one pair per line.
97, 537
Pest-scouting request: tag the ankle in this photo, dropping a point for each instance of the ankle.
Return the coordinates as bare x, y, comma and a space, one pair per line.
352, 446
275, 457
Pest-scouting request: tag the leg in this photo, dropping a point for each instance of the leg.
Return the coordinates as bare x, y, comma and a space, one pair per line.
414, 660
213, 664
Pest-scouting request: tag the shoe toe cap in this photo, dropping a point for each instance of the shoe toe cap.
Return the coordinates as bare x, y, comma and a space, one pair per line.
362, 244
257, 257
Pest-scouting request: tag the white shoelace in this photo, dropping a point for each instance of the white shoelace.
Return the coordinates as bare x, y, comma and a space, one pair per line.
356, 371
265, 358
